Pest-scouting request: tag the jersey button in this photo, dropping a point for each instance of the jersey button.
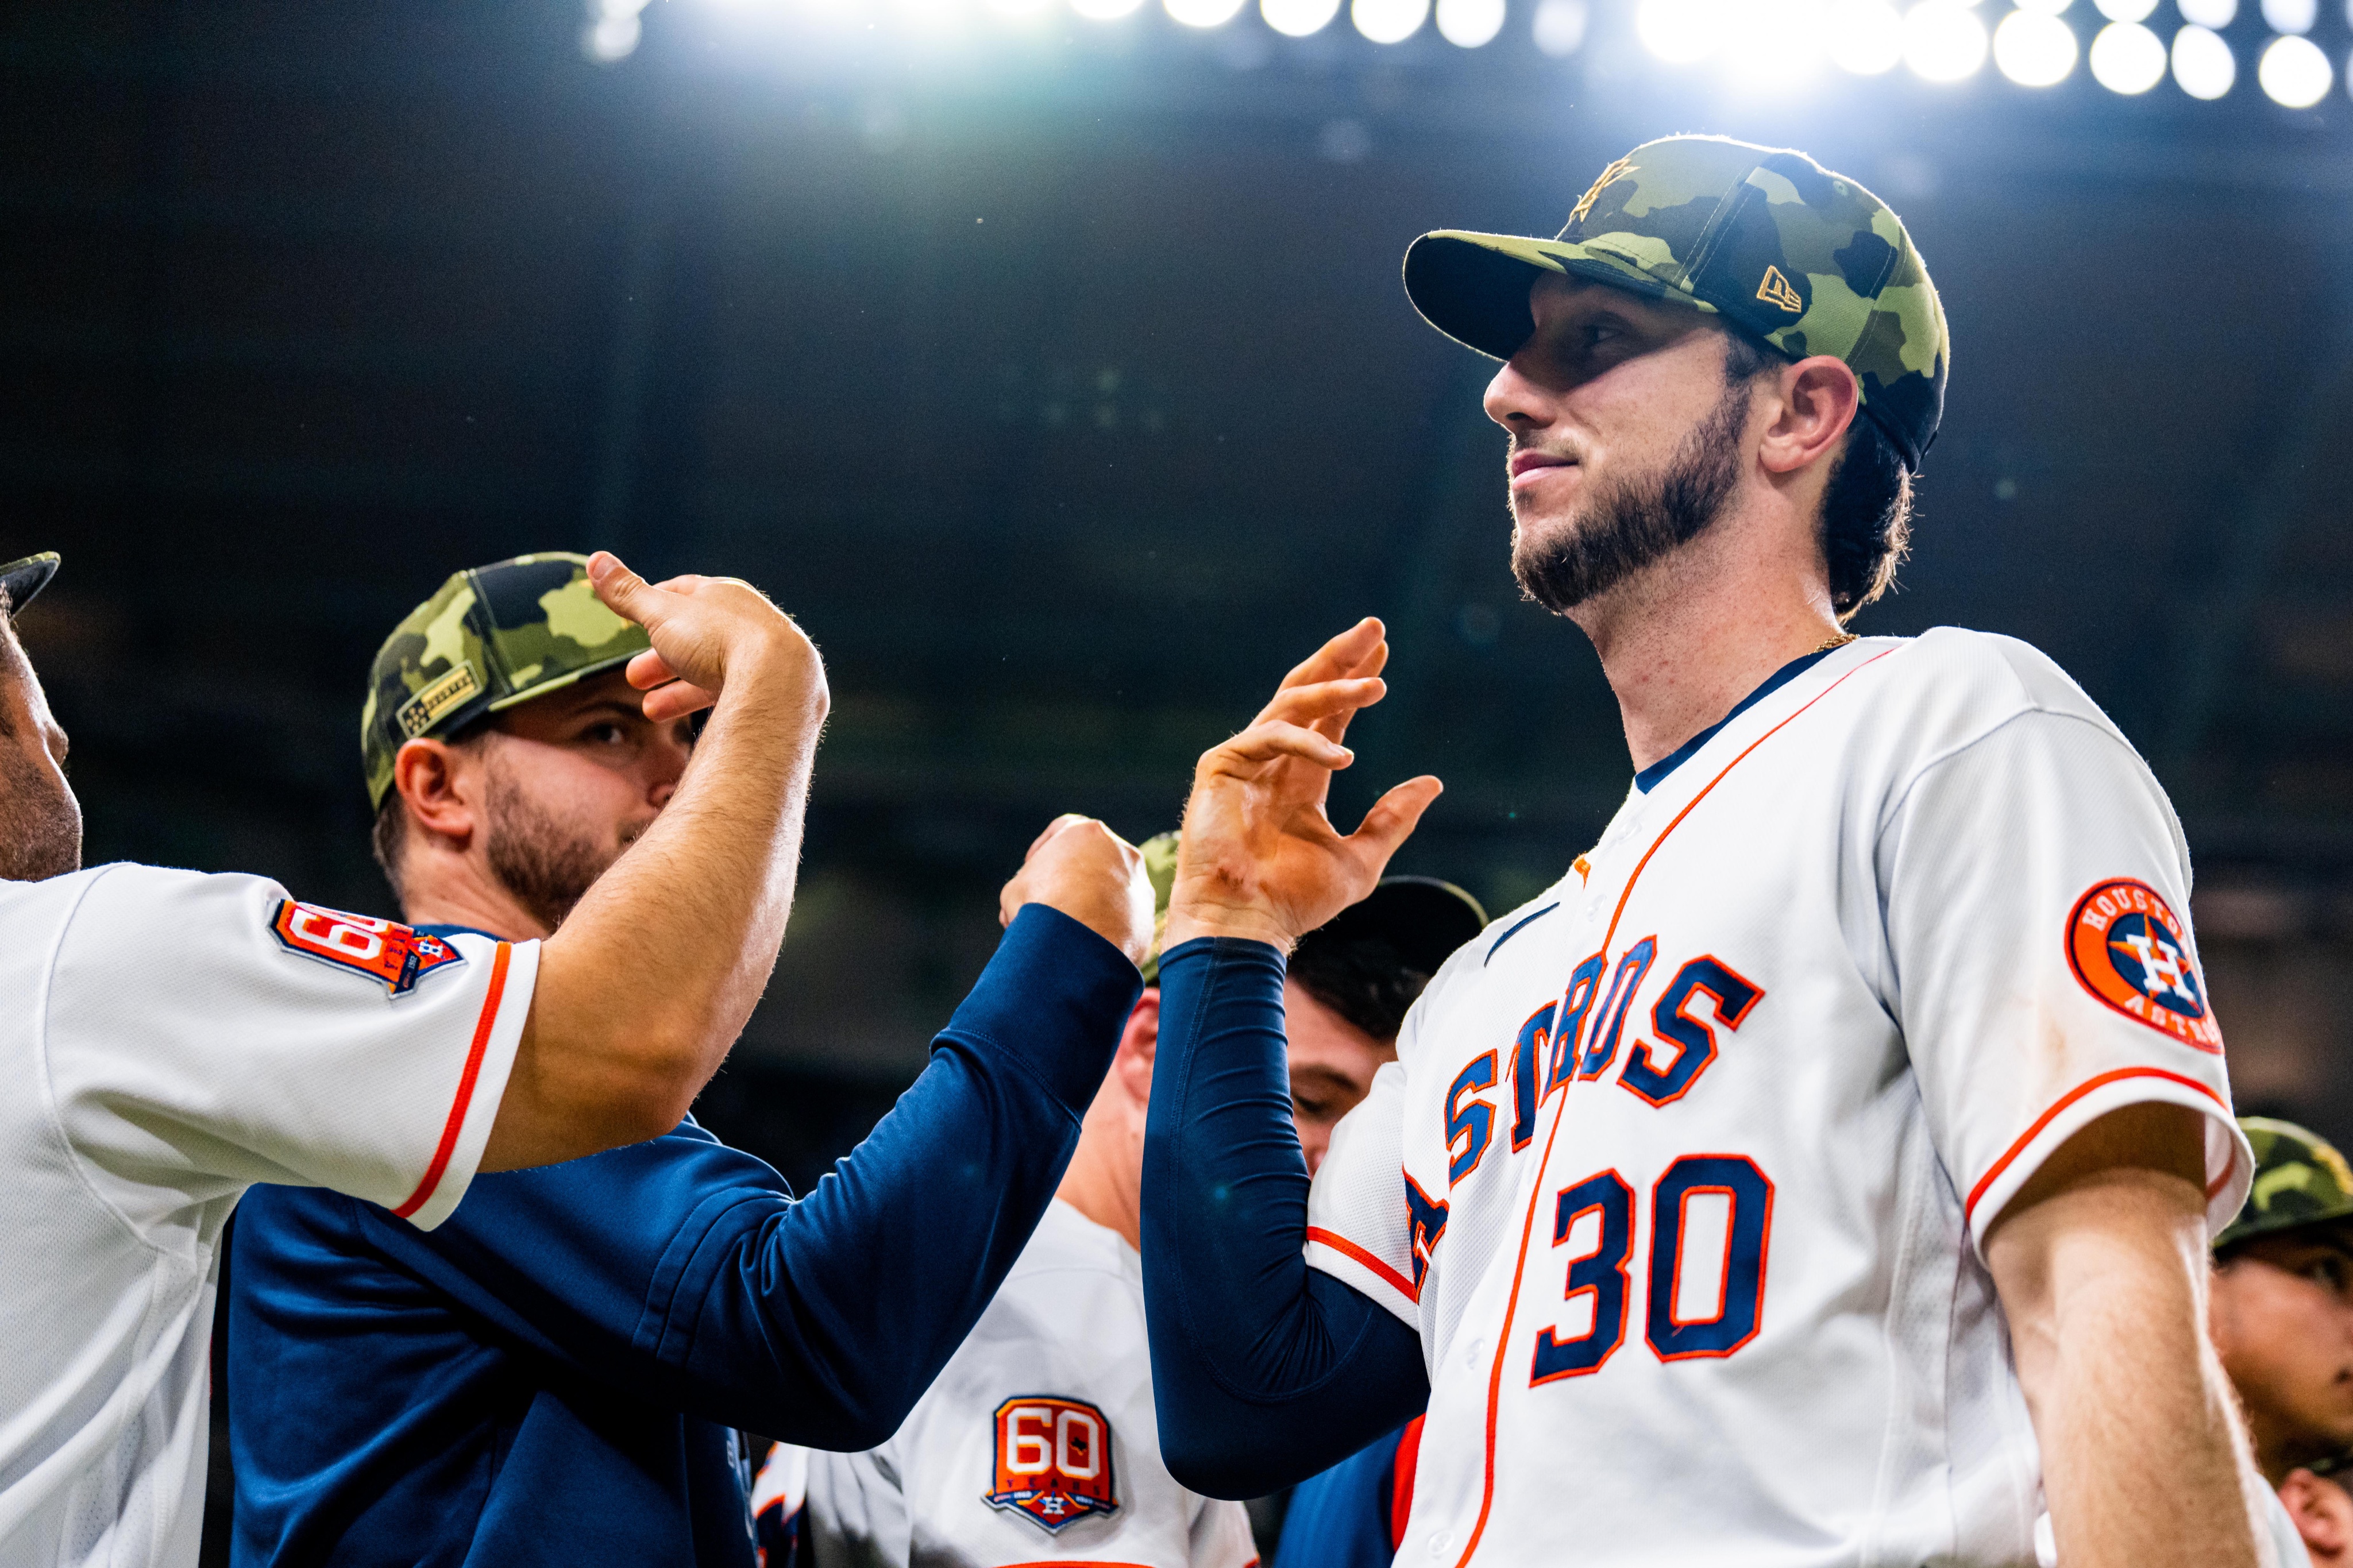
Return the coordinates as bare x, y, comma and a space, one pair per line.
1474, 1351
1441, 1543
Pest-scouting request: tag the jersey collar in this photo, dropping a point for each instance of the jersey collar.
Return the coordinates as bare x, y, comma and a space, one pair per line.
1650, 778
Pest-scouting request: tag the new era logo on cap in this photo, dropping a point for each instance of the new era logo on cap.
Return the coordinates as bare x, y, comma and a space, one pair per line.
1776, 291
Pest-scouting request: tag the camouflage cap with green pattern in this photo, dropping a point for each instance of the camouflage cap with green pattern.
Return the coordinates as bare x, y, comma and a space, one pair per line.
493, 636
1804, 259
2300, 1180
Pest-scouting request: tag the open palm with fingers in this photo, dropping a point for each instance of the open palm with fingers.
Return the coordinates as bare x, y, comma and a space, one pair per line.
1260, 859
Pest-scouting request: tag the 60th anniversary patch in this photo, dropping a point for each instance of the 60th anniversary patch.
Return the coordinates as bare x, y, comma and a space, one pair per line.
381, 949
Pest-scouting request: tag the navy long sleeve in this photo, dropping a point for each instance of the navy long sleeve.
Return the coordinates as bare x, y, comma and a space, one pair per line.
549, 1375
1265, 1370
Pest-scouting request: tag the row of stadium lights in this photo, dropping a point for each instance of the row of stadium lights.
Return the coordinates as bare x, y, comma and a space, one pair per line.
1939, 41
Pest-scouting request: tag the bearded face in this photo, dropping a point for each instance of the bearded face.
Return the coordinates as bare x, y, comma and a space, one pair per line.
40, 820
547, 858
1621, 526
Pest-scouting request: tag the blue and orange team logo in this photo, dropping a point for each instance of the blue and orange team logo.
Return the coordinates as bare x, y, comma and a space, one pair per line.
381, 949
1053, 1461
2131, 951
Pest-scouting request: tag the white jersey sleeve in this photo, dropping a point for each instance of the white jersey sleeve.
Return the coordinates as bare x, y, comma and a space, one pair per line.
201, 1033
2036, 892
1359, 1214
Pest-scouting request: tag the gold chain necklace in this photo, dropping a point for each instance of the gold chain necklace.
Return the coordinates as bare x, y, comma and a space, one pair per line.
1841, 640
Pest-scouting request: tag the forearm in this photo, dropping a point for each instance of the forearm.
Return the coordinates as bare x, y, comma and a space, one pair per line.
651, 978
826, 1325
2143, 1461
1264, 1372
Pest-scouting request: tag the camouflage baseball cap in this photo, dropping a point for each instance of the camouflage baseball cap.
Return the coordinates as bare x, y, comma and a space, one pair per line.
20, 579
494, 636
1806, 260
1424, 918
2300, 1179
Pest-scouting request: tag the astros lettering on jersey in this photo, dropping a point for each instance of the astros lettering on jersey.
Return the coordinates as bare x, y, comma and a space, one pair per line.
1684, 1169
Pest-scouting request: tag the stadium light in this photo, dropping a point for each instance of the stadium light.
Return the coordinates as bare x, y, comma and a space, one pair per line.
2290, 15
1203, 13
613, 31
2203, 66
1388, 21
1866, 36
2126, 10
2044, 7
1298, 19
1773, 43
2295, 73
1560, 26
2033, 48
2127, 58
1944, 40
2212, 14
1678, 31
1470, 24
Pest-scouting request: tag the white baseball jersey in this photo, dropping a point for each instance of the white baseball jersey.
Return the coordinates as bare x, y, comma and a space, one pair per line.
1039, 1442
169, 1039
1699, 1148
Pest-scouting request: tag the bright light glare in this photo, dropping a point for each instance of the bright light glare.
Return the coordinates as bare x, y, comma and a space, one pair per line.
2212, 14
1468, 23
2044, 7
1773, 43
2126, 10
1024, 10
610, 38
1678, 31
1297, 19
2290, 15
2127, 57
1944, 40
2294, 72
1203, 13
1866, 36
1388, 21
2202, 64
2033, 49
1559, 26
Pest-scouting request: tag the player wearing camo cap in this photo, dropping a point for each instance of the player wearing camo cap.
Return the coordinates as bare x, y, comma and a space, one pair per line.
552, 1375
1814, 1173
181, 1037
2282, 1318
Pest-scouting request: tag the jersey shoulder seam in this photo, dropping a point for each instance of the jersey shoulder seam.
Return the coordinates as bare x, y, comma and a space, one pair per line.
55, 1112
2030, 711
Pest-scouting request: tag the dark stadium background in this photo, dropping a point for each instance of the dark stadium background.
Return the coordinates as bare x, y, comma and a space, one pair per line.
1067, 395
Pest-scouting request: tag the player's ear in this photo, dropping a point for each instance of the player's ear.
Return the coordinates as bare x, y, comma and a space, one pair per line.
425, 773
2323, 1515
1140, 1038
1816, 399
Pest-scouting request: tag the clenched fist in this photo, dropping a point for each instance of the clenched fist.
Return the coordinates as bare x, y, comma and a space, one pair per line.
1092, 875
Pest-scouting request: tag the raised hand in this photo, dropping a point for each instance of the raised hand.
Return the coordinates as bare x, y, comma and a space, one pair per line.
1092, 875
1261, 859
702, 627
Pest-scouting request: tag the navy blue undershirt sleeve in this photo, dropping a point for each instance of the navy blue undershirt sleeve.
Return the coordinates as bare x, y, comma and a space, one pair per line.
1264, 1371
683, 1271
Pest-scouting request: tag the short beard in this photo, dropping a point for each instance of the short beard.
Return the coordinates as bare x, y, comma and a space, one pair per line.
1643, 519
545, 864
40, 821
